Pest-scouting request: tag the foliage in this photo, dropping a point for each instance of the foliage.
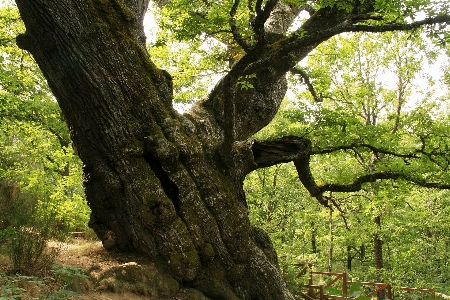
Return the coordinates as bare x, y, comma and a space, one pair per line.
10, 290
40, 191
70, 277
195, 63
5, 234
359, 107
57, 286
26, 248
35, 150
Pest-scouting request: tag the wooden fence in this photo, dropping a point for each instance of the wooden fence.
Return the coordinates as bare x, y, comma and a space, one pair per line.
317, 291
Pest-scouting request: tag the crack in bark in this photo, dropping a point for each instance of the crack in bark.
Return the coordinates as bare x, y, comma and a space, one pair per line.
169, 187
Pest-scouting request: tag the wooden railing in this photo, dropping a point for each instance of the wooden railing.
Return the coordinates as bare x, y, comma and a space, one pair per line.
422, 291
317, 291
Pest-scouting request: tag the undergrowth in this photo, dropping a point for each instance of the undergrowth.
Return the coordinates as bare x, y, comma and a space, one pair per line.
62, 283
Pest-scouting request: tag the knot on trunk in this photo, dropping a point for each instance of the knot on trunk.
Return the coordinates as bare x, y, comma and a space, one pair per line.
27, 42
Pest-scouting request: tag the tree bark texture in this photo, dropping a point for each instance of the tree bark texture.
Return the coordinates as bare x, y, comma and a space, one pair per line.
166, 185
159, 183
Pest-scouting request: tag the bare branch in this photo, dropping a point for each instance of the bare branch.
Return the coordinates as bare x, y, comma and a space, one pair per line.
358, 182
374, 149
437, 156
356, 185
307, 81
234, 30
341, 211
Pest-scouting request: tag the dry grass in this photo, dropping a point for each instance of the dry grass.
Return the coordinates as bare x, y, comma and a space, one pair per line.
86, 256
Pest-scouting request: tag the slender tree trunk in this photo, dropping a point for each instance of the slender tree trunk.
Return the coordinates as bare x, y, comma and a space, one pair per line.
313, 238
330, 249
378, 253
349, 258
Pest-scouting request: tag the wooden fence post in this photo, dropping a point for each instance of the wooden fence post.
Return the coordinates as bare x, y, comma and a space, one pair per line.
389, 289
321, 292
310, 282
344, 283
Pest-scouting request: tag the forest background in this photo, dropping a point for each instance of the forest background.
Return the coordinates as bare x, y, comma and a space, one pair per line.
392, 90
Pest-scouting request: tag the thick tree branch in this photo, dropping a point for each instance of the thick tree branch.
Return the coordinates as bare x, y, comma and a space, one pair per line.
365, 17
270, 65
324, 24
308, 8
140, 7
229, 114
262, 15
298, 150
286, 149
317, 191
285, 54
396, 27
308, 181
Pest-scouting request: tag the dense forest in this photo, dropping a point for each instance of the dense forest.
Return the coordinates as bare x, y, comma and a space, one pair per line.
370, 103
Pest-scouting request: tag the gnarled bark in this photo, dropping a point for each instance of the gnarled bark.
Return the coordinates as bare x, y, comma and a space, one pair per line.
159, 183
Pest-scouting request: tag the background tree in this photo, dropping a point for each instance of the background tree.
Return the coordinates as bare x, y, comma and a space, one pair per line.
36, 157
40, 189
358, 104
170, 186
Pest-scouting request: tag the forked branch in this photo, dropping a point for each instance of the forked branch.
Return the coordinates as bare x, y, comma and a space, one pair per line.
262, 15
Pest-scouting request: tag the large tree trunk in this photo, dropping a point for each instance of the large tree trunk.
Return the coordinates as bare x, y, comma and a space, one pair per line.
168, 185
163, 184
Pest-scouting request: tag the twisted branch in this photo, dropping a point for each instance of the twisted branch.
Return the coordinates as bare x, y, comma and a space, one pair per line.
298, 150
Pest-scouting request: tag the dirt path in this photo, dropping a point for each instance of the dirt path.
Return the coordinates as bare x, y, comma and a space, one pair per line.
101, 275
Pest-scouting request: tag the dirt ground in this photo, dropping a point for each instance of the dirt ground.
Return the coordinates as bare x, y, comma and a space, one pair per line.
104, 280
87, 255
